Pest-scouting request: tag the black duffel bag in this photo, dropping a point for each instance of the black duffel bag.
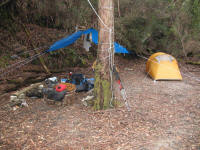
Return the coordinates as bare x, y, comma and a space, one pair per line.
52, 94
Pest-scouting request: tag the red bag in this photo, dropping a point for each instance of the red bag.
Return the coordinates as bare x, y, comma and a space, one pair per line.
61, 87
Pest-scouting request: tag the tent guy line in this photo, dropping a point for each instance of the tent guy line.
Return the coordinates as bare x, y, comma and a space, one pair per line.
61, 44
98, 15
21, 63
70, 40
191, 77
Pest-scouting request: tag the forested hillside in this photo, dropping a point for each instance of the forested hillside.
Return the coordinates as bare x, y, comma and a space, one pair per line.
143, 27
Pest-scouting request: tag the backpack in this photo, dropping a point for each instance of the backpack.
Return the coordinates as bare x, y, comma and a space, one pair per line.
80, 82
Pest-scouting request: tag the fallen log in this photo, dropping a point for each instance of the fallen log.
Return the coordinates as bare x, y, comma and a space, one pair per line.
15, 84
26, 89
18, 98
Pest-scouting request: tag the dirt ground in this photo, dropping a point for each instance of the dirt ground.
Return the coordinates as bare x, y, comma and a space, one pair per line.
165, 115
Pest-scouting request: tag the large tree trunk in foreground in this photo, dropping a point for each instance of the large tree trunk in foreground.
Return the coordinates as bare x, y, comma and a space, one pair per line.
105, 57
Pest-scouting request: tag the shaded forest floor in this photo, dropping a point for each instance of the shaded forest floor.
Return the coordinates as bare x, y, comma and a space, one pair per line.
165, 115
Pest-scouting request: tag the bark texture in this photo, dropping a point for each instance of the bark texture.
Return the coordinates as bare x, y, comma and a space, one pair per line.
103, 82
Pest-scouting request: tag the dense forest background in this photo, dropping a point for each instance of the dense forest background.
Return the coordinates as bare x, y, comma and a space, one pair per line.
143, 27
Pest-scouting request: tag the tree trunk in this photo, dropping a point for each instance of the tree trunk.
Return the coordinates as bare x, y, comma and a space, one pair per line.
119, 12
105, 56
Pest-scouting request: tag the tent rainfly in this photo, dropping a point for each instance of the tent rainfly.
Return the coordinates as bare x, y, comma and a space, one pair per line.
162, 66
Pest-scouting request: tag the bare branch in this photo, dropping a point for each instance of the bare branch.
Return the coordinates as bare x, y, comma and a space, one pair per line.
5, 2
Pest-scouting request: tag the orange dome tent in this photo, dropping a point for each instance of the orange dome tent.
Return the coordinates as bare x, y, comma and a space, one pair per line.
162, 66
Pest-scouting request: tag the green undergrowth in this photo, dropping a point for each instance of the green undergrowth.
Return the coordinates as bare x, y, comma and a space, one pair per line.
4, 61
68, 57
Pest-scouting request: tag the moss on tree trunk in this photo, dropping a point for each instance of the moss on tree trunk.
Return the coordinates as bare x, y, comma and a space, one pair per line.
105, 56
102, 90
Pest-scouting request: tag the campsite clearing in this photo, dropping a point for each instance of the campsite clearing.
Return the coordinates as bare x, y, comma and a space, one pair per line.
165, 115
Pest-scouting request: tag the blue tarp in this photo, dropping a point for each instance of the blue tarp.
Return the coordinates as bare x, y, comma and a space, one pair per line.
94, 35
120, 49
75, 36
65, 41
